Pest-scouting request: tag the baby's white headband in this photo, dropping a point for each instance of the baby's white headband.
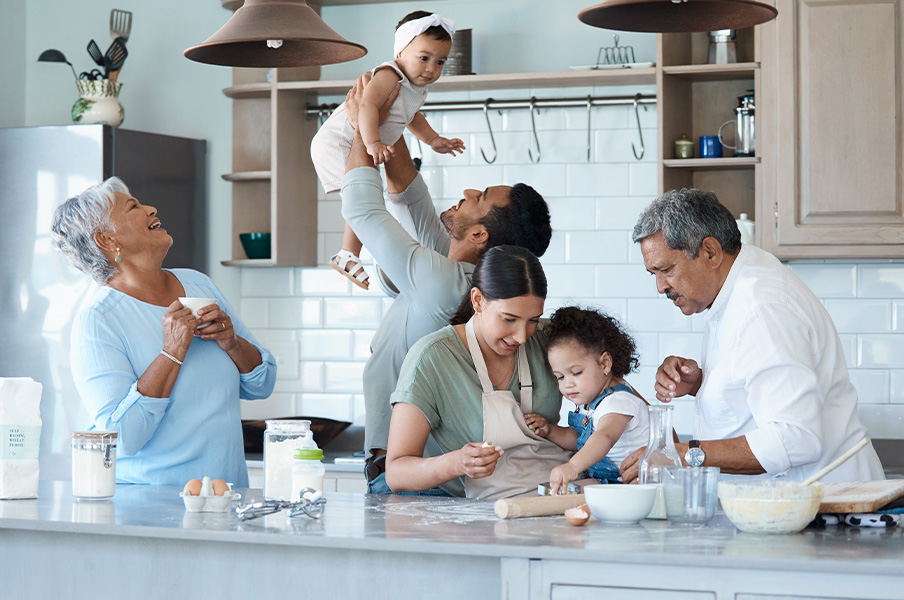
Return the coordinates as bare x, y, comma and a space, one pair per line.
408, 31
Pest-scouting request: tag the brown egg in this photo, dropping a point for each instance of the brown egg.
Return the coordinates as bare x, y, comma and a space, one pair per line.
193, 487
219, 487
578, 515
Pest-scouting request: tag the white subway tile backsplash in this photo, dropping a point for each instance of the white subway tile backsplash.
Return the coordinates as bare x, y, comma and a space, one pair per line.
329, 217
686, 345
286, 353
898, 316
871, 385
573, 281
268, 282
625, 280
322, 281
325, 344
564, 146
643, 180
545, 119
328, 244
312, 376
358, 410
656, 315
287, 313
361, 344
555, 252
882, 281
860, 316
254, 312
548, 180
828, 280
880, 351
344, 376
597, 180
601, 117
896, 395
647, 348
327, 406
571, 214
849, 347
277, 405
594, 247
353, 312
460, 178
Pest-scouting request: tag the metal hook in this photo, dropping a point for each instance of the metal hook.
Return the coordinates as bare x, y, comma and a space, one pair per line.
533, 126
486, 114
589, 104
639, 132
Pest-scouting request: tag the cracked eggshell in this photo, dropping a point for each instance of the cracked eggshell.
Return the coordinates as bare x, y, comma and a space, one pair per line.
578, 515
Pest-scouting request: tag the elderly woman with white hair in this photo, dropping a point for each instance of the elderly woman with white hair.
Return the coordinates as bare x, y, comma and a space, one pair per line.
143, 365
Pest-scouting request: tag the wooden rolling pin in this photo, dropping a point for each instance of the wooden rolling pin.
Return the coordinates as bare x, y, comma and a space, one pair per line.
541, 506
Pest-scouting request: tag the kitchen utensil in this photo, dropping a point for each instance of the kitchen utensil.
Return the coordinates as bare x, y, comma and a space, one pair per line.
836, 463
56, 56
93, 75
542, 506
745, 131
615, 55
710, 146
459, 62
860, 496
690, 494
544, 490
120, 24
114, 57
95, 53
770, 506
722, 47
311, 505
618, 503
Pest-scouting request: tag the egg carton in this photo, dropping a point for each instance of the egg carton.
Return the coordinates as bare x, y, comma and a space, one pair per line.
207, 501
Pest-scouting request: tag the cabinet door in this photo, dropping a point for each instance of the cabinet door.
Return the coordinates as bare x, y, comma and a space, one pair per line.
835, 181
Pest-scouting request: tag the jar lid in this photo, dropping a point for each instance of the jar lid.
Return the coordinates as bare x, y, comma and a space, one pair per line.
293, 425
309, 454
95, 435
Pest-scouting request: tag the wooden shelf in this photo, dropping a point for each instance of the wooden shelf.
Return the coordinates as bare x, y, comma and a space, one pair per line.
712, 164
249, 262
247, 176
713, 72
456, 83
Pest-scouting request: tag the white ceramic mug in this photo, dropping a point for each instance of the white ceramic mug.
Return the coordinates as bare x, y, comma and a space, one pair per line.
194, 304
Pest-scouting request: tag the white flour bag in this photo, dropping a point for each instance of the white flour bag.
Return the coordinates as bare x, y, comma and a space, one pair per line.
20, 437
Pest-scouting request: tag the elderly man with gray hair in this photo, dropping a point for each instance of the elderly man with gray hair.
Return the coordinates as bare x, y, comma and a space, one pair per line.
773, 393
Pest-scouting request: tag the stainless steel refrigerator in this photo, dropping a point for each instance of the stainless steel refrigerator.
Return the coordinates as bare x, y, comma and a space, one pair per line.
40, 294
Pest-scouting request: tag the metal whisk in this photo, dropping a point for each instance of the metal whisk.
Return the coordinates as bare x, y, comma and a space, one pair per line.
615, 55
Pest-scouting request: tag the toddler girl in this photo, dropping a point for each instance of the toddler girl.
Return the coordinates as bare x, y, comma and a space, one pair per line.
422, 44
590, 356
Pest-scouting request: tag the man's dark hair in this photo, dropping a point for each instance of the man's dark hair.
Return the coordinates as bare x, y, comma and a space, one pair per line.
436, 32
524, 221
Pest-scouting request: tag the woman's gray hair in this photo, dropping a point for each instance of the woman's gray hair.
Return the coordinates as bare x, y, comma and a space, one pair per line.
685, 217
77, 220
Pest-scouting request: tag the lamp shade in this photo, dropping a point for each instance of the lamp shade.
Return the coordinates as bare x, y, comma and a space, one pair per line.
275, 33
668, 16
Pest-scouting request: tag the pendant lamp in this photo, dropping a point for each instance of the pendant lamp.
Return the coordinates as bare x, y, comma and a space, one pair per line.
275, 33
675, 16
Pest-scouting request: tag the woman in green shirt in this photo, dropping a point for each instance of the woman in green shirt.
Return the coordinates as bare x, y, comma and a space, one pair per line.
470, 385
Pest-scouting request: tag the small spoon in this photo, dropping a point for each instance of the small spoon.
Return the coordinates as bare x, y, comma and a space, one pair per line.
836, 463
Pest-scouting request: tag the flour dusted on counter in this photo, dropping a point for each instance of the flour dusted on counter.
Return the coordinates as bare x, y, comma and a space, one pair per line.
20, 437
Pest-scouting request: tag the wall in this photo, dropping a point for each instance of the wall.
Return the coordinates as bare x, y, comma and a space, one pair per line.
162, 91
12, 39
320, 326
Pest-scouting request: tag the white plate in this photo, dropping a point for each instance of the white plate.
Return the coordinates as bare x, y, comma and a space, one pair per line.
638, 65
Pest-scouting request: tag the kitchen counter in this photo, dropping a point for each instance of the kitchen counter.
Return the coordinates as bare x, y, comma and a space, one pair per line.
400, 546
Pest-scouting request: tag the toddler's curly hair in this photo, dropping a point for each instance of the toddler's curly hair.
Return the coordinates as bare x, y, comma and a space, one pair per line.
597, 333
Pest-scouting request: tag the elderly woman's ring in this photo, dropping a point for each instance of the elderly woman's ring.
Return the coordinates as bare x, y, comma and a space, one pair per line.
224, 325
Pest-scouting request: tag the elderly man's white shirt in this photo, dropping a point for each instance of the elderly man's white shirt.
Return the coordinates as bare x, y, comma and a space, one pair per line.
774, 370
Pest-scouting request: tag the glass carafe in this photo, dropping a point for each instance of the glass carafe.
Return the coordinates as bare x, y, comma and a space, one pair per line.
660, 453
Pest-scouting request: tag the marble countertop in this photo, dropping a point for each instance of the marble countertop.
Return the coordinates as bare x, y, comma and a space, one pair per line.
457, 526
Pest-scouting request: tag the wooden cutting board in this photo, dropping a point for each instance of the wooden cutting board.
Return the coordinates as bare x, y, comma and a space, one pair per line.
861, 496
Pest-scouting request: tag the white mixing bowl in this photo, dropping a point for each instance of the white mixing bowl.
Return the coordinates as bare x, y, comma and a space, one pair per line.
620, 503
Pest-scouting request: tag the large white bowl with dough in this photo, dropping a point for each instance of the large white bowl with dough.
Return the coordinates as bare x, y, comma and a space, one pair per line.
770, 506
619, 503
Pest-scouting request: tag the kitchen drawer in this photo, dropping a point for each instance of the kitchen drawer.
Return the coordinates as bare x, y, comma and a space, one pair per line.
595, 592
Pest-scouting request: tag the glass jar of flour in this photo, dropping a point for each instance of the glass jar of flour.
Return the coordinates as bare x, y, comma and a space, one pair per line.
281, 439
94, 464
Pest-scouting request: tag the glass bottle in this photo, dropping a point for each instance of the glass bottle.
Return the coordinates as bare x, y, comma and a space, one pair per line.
660, 453
307, 472
281, 439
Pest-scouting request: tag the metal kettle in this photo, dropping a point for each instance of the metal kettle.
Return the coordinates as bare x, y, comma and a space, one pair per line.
745, 130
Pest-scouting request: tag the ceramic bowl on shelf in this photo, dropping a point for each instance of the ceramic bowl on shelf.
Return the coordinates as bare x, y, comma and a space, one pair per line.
256, 245
770, 506
619, 503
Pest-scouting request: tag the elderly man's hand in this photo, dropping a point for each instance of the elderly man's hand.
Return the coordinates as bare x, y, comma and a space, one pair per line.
354, 96
677, 377
629, 469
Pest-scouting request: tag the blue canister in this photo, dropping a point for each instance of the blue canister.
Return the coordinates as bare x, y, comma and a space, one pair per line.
710, 147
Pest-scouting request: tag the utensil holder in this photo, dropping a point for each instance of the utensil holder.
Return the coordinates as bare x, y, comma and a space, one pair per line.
98, 102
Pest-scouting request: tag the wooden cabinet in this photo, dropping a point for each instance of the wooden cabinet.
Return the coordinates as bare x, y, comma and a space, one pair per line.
833, 185
694, 99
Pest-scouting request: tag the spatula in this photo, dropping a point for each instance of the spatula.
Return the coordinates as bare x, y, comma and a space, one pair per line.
95, 53
115, 56
120, 24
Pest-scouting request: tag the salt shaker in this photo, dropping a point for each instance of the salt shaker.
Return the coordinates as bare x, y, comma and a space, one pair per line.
307, 472
94, 464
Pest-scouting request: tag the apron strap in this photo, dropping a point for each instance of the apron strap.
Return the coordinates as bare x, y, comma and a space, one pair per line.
524, 379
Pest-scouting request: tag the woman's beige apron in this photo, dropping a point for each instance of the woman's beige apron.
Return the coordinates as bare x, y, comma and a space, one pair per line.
528, 458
